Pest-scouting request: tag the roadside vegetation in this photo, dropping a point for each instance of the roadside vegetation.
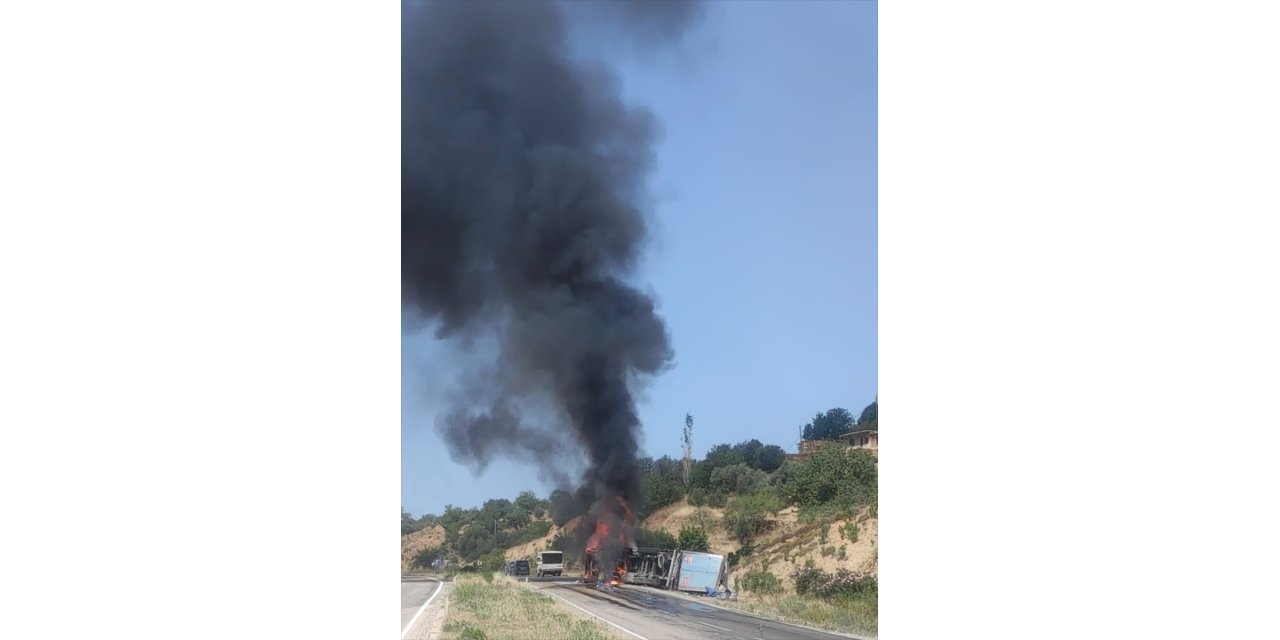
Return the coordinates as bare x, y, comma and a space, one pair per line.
857, 615
485, 607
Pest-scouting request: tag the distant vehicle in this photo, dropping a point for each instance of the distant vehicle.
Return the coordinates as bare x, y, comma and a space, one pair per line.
550, 563
518, 568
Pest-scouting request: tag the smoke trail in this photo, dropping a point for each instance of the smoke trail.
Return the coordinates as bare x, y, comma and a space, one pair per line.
522, 182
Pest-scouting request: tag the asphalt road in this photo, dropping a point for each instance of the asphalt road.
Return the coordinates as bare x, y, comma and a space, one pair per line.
651, 614
414, 590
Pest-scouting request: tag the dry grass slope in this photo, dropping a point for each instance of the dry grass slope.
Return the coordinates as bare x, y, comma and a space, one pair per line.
850, 543
851, 615
417, 542
503, 610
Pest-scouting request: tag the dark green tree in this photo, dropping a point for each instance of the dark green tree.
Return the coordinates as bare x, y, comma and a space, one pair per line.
515, 518
721, 455
655, 538
749, 515
528, 501
475, 542
868, 417
492, 512
831, 476
769, 458
829, 425
659, 491
693, 538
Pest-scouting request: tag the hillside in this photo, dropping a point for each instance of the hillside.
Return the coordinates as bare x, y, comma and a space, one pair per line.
417, 542
528, 550
788, 545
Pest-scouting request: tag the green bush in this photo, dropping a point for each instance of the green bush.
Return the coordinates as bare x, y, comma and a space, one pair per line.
472, 633
833, 476
654, 538
745, 551
476, 542
823, 533
750, 515
660, 491
694, 539
738, 479
760, 582
827, 552
493, 561
811, 581
700, 497
850, 531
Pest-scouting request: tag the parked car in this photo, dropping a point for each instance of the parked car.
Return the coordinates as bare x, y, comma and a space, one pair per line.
518, 568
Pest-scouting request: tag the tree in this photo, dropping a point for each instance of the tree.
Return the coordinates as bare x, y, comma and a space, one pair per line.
747, 450
738, 479
836, 476
659, 491
406, 522
687, 440
829, 425
528, 501
493, 511
769, 458
868, 417
453, 518
721, 455
655, 538
668, 467
749, 515
693, 538
475, 542
515, 518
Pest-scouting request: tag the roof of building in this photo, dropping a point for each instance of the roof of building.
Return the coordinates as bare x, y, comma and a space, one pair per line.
854, 433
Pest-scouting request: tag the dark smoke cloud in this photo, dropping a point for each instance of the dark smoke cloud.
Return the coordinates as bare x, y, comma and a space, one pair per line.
523, 187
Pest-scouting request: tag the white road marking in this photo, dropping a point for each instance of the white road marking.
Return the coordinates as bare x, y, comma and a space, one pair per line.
404, 632
618, 626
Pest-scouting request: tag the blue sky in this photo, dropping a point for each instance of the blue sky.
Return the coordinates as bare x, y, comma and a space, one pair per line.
763, 256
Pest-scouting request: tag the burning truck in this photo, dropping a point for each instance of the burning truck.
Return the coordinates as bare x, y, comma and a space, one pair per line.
612, 558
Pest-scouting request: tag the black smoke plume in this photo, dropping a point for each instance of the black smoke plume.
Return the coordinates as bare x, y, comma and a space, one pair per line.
522, 220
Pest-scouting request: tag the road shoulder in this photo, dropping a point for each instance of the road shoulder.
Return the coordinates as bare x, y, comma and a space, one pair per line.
429, 623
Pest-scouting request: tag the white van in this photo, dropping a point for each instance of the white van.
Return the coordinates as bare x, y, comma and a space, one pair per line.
550, 563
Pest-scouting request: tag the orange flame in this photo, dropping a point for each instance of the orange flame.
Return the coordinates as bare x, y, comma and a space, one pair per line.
601, 533
602, 530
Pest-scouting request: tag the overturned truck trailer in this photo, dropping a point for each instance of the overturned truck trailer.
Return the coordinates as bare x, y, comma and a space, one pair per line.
675, 569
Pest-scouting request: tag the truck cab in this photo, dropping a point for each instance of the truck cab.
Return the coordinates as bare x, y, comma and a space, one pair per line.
550, 563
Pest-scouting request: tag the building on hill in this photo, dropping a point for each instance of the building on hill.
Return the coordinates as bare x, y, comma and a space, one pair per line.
808, 447
862, 439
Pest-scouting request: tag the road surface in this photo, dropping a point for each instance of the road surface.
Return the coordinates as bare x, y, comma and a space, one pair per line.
650, 614
414, 591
